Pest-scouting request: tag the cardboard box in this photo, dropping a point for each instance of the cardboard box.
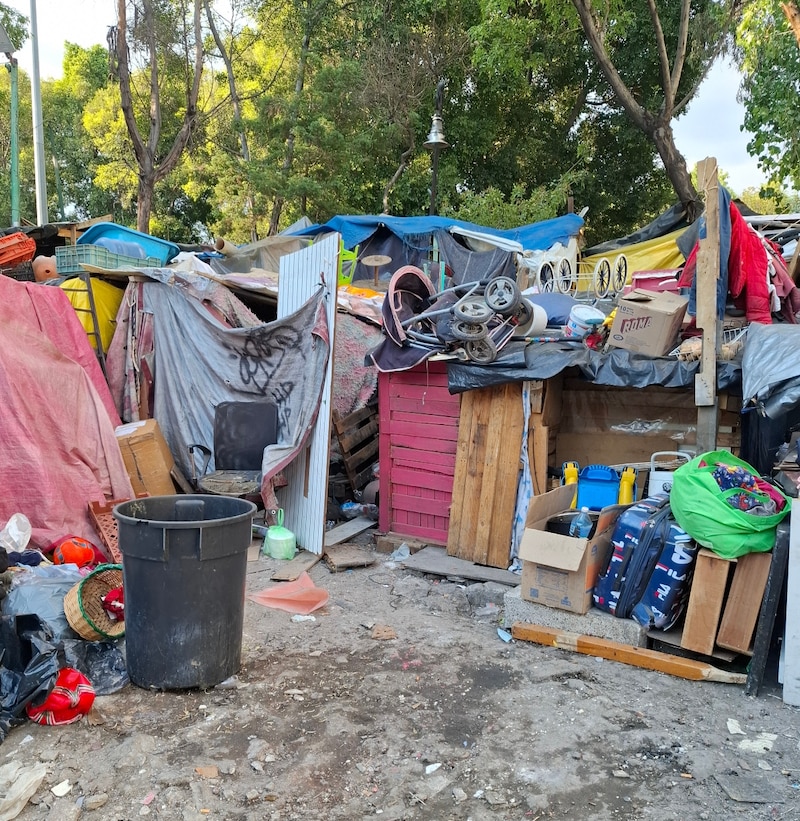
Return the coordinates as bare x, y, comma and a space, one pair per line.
147, 457
560, 571
648, 322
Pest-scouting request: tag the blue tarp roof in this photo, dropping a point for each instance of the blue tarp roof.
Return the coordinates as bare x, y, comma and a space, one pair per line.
355, 230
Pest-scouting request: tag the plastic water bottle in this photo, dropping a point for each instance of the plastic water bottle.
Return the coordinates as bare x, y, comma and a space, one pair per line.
581, 525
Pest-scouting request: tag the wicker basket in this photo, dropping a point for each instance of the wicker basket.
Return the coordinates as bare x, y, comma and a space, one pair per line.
84, 610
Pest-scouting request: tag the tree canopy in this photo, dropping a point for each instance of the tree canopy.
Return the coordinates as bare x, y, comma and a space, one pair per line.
237, 124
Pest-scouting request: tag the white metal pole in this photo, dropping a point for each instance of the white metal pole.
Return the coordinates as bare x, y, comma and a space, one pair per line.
38, 126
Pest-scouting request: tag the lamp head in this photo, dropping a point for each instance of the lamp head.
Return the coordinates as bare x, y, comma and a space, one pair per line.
435, 138
6, 46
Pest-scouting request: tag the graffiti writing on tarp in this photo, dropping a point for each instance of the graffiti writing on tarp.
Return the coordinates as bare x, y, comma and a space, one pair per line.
262, 365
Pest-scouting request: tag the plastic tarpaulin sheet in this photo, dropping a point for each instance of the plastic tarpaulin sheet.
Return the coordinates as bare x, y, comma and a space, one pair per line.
771, 368
652, 255
355, 230
673, 220
107, 299
58, 451
200, 362
617, 367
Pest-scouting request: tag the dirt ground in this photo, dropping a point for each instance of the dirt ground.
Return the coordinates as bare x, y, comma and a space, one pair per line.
445, 721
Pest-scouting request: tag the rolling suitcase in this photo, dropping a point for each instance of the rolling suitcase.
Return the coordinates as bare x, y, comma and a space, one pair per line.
636, 545
667, 590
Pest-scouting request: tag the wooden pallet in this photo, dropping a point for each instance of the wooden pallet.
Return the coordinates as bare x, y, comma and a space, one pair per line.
358, 438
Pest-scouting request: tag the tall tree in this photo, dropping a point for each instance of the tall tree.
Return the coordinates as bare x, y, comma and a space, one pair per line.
769, 58
171, 38
682, 31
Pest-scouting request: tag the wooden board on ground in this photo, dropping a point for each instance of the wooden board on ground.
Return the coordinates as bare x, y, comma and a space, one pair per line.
625, 653
344, 556
389, 542
435, 560
294, 567
346, 530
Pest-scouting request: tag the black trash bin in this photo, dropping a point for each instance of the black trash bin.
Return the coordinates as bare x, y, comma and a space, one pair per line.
184, 562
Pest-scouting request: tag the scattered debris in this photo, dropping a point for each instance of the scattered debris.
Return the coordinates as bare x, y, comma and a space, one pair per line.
383, 632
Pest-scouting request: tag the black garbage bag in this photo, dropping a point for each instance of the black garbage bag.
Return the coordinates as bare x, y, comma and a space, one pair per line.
29, 665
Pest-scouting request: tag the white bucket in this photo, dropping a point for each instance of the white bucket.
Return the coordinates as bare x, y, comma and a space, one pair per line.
581, 319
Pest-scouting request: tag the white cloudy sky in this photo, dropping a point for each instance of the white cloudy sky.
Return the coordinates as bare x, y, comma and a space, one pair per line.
710, 128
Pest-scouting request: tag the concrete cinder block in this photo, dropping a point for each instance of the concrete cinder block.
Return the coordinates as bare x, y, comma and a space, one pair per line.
594, 623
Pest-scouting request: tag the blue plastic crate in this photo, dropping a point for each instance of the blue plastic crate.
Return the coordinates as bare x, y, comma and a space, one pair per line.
70, 258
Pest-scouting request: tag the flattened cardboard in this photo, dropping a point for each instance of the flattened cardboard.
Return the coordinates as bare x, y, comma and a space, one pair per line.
147, 457
648, 322
561, 571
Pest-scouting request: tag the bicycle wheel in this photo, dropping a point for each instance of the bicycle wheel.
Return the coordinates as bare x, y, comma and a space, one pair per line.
620, 278
545, 278
565, 277
602, 278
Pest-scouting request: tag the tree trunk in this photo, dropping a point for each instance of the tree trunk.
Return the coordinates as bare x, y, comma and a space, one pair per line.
675, 166
294, 110
793, 16
237, 113
146, 152
655, 126
144, 201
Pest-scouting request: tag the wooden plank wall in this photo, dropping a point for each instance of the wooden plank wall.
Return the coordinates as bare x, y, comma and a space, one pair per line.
487, 472
306, 496
418, 432
612, 426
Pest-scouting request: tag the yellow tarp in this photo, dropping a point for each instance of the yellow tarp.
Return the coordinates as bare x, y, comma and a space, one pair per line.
652, 255
107, 299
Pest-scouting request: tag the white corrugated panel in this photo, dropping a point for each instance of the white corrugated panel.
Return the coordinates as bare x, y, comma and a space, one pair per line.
305, 498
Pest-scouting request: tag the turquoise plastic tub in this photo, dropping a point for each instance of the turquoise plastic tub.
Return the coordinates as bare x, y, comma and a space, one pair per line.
163, 250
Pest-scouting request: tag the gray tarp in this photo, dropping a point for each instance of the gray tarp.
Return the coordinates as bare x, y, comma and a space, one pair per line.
617, 367
200, 362
771, 368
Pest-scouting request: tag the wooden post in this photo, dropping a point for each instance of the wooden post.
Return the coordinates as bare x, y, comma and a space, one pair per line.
706, 277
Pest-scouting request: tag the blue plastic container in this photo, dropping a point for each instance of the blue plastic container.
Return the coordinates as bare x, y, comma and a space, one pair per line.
163, 250
598, 487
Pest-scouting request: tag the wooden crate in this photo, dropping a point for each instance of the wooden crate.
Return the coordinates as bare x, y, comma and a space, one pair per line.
358, 439
418, 434
724, 602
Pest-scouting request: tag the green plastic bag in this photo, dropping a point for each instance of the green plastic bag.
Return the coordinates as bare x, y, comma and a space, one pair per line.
701, 509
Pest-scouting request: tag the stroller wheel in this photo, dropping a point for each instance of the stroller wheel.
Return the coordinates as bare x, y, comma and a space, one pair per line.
468, 331
502, 295
483, 351
472, 310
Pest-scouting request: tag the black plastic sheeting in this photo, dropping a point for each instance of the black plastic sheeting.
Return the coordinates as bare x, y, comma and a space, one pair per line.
619, 368
670, 220
771, 366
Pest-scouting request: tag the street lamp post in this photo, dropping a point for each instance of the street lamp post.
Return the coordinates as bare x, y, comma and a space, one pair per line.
435, 142
7, 48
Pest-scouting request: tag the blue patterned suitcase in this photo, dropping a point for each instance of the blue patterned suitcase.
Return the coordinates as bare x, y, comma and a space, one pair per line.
636, 544
667, 590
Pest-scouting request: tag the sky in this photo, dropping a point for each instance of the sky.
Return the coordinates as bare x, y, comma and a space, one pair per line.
711, 126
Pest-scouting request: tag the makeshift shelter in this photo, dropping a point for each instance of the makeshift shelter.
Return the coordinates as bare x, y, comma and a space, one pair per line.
58, 451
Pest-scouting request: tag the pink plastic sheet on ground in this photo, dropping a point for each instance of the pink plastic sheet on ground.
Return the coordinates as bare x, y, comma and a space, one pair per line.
301, 596
58, 451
